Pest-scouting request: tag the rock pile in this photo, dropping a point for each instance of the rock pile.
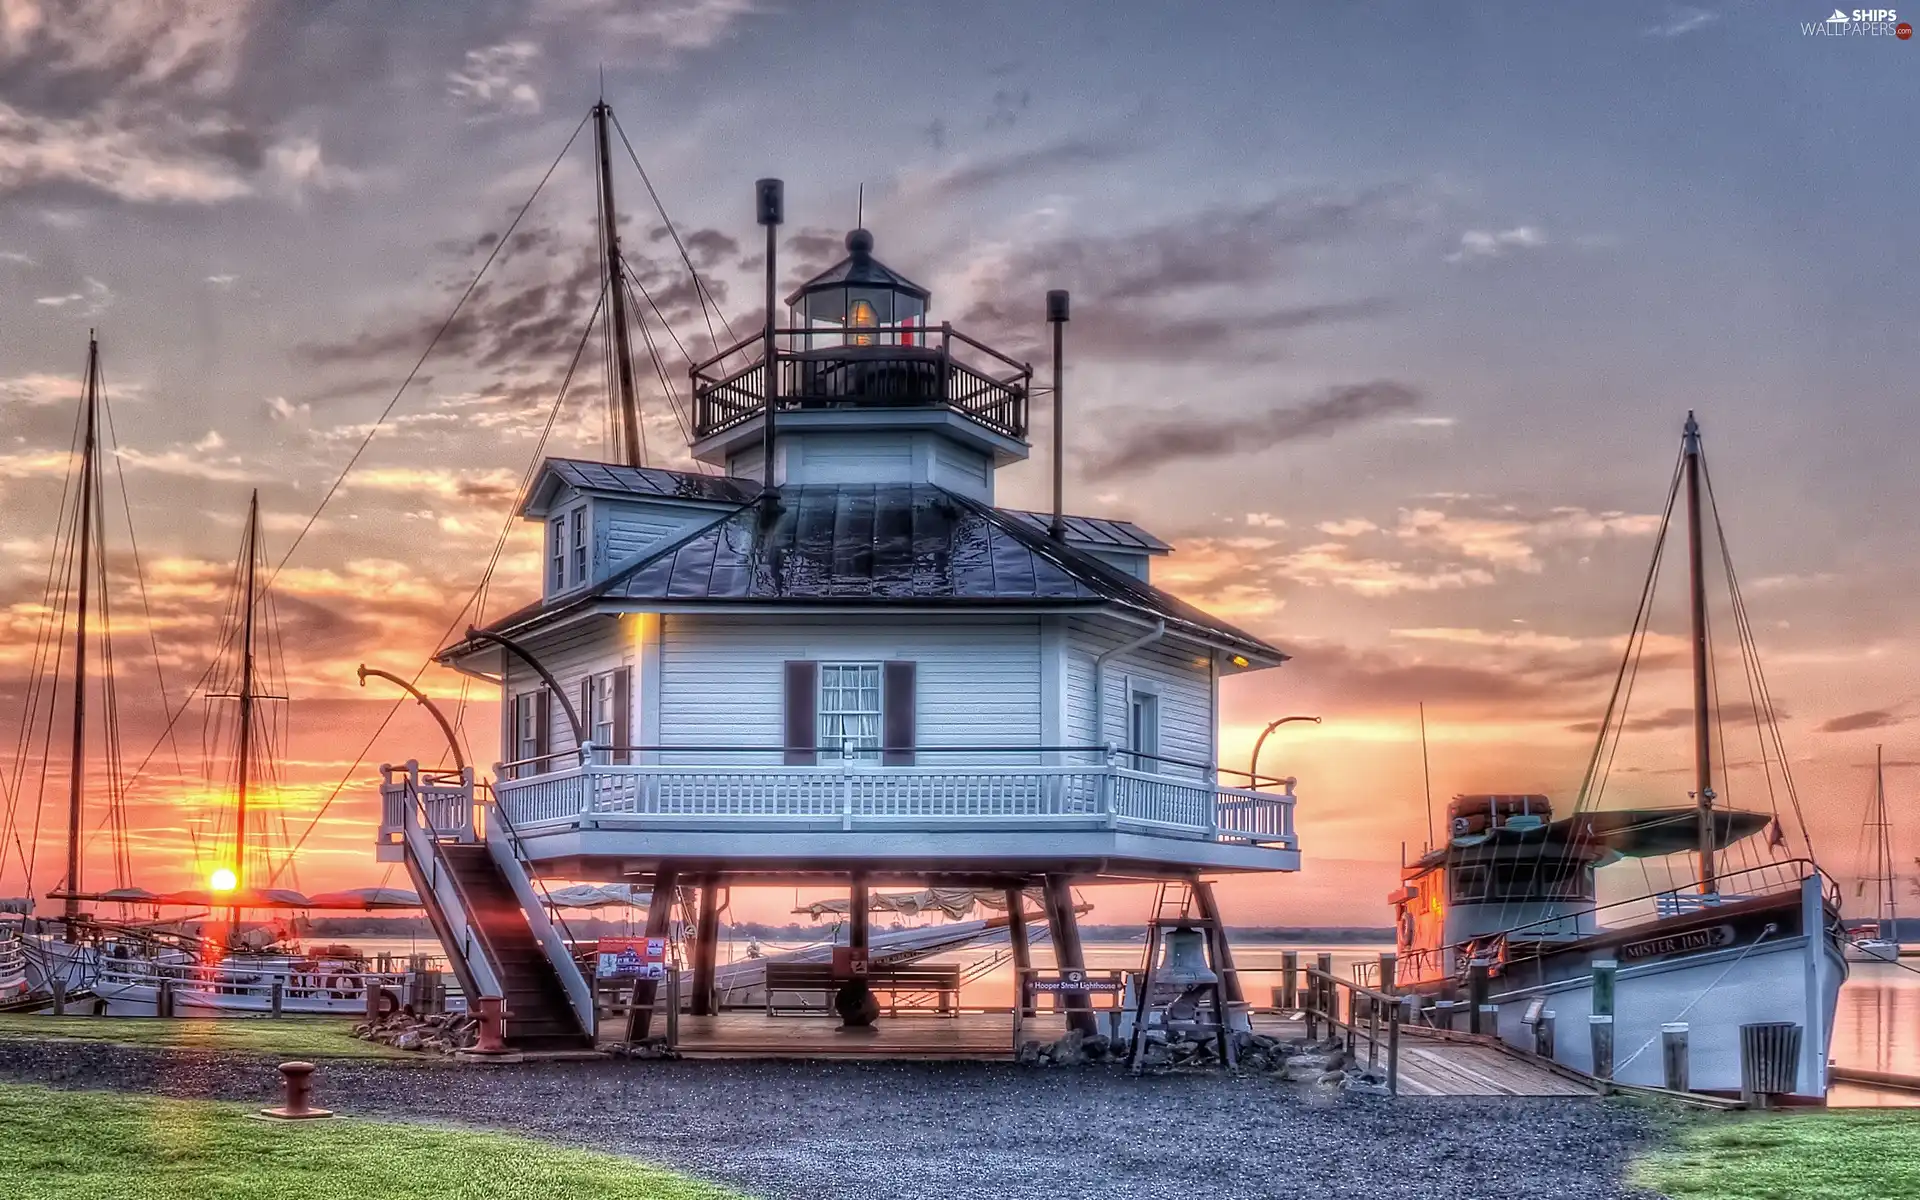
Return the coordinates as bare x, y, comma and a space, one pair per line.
441, 1033
1325, 1064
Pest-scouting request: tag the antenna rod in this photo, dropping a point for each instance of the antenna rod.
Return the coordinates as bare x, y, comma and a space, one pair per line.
83, 532
616, 284
1697, 595
1057, 317
771, 205
246, 710
1426, 774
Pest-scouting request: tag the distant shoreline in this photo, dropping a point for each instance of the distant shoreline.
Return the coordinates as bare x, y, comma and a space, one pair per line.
417, 927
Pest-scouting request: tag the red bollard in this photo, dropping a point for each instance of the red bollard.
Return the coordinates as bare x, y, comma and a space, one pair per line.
298, 1078
491, 1011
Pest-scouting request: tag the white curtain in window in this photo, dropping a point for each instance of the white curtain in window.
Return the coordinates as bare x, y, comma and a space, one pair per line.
850, 707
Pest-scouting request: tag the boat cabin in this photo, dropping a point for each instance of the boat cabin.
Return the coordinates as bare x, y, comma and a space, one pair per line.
1513, 880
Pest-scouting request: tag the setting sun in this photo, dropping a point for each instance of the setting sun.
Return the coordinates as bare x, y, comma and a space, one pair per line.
223, 880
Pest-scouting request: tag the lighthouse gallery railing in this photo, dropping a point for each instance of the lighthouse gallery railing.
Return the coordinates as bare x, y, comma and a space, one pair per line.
852, 793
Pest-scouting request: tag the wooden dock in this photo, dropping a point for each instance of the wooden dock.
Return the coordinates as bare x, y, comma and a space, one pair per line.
1435, 1063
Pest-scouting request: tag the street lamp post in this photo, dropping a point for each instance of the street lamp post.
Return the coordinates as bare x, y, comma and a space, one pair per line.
1253, 766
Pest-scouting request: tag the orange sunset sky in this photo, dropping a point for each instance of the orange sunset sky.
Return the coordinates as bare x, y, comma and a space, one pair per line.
1538, 259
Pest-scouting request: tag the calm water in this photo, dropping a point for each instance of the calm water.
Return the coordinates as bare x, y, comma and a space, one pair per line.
1877, 1027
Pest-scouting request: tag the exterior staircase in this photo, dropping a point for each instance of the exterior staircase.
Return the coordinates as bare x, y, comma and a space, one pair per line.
482, 904
539, 1016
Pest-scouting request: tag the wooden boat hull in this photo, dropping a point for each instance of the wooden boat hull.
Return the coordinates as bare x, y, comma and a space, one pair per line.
1775, 958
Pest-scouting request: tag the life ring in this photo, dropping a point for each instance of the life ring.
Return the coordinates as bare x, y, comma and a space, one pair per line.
1406, 927
389, 1003
341, 985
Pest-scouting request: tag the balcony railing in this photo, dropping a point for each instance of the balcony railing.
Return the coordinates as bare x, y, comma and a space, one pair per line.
906, 367
855, 794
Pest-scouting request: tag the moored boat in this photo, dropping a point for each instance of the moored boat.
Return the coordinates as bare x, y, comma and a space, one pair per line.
1514, 891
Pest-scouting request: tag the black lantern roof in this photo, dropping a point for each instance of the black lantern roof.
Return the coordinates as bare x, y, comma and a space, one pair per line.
859, 269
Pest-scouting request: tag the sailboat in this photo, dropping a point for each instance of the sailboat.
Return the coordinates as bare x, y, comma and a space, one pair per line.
240, 971
1879, 941
1513, 892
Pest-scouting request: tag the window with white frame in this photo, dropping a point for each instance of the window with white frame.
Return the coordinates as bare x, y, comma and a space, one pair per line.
578, 520
557, 554
526, 725
1143, 730
601, 721
850, 708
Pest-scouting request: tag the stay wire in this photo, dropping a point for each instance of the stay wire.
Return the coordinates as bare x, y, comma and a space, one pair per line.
699, 285
526, 483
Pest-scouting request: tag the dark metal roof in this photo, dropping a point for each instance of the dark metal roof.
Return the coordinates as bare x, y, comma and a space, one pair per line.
898, 544
859, 269
650, 481
1095, 531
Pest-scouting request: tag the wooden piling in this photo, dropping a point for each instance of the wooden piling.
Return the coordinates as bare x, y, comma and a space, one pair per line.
371, 1001
1600, 1030
1289, 980
1673, 1053
1329, 995
1393, 1050
1605, 973
706, 949
1543, 1035
277, 999
1022, 948
659, 925
1064, 927
163, 1005
59, 986
1479, 986
1389, 970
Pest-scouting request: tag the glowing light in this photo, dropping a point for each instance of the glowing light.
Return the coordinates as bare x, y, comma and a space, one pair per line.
223, 880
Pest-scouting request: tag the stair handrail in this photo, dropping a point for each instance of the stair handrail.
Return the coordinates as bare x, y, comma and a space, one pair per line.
510, 856
426, 850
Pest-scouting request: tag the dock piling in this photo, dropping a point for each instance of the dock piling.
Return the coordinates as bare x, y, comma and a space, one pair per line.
59, 996
1673, 1052
1479, 986
1289, 980
1543, 1035
1600, 1029
277, 999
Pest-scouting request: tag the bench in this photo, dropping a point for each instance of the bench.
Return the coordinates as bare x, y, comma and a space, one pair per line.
893, 982
1680, 904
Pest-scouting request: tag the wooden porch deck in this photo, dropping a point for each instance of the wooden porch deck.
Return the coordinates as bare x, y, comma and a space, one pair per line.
1430, 1065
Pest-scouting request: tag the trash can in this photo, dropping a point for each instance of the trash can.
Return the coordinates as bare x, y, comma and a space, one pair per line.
1769, 1059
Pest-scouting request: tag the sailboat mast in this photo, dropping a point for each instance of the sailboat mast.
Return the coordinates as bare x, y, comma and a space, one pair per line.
246, 703
83, 533
1887, 907
617, 298
1697, 597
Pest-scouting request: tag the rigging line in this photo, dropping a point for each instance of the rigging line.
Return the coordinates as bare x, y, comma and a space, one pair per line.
700, 288
1745, 621
533, 467
1624, 678
42, 635
435, 341
53, 701
653, 350
139, 571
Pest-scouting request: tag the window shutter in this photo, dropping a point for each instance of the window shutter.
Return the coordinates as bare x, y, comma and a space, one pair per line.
899, 705
542, 728
803, 713
586, 709
623, 713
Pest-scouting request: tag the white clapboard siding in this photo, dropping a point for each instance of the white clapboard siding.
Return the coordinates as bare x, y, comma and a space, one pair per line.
850, 458
1174, 670
1136, 565
590, 647
963, 470
626, 530
722, 678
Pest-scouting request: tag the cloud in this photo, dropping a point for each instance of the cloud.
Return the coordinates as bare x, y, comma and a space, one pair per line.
1508, 537
1873, 718
97, 298
1484, 243
190, 463
298, 166
489, 484
221, 281
1681, 21
657, 32
39, 390
496, 79
984, 173
17, 258
1157, 443
1351, 527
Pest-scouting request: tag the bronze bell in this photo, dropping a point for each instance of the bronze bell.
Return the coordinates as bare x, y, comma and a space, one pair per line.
1183, 960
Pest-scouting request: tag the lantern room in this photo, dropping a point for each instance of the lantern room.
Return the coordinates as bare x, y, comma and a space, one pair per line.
859, 302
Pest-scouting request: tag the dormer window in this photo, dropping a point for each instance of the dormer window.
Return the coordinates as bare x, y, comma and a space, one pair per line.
567, 557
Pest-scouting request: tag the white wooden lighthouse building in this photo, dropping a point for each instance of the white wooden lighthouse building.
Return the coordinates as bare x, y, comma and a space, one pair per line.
861, 672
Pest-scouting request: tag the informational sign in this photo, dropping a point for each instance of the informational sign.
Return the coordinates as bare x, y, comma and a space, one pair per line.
1077, 982
849, 963
631, 958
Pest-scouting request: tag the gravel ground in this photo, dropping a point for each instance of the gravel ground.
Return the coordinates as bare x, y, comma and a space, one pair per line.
924, 1131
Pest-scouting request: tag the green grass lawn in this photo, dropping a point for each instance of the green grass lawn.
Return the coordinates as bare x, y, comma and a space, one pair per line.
87, 1145
288, 1037
1841, 1154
